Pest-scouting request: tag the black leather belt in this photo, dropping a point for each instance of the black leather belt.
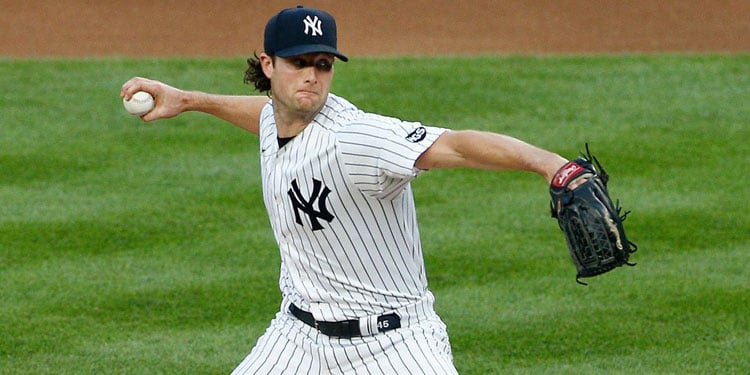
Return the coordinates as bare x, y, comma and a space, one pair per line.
345, 328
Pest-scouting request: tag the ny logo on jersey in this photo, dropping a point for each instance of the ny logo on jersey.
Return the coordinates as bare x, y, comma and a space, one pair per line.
319, 194
314, 25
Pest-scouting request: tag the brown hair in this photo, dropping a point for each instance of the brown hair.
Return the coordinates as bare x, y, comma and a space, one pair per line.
254, 74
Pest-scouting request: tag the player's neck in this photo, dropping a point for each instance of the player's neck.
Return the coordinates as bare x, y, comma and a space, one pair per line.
290, 124
290, 130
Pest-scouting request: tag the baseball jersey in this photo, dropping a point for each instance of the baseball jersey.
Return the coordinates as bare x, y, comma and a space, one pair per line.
339, 199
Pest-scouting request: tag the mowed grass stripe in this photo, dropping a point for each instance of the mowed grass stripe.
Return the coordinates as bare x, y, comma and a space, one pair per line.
144, 248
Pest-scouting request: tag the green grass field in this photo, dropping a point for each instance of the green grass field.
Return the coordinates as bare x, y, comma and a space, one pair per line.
133, 248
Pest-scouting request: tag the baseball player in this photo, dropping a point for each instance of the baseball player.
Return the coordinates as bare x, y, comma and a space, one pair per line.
336, 184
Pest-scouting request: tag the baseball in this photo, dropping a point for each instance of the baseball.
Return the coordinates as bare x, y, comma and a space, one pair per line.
140, 104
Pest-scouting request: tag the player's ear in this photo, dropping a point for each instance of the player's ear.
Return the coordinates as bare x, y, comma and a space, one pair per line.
267, 63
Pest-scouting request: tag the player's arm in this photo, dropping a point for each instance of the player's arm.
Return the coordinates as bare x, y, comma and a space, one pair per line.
485, 150
242, 111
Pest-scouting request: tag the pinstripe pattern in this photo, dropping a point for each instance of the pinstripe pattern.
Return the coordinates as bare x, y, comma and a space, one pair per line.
368, 259
291, 347
341, 208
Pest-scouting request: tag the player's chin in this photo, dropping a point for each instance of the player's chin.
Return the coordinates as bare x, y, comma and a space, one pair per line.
309, 101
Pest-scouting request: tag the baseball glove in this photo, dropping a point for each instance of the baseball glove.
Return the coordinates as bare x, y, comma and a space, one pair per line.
591, 223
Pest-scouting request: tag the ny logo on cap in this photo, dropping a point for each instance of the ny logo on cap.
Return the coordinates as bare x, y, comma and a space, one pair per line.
314, 25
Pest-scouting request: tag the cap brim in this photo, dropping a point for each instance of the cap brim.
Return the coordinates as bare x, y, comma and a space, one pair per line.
311, 48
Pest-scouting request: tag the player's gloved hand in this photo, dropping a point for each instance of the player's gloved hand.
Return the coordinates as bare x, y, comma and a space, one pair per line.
592, 224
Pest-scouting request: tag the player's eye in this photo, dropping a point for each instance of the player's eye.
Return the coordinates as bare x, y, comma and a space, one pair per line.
324, 65
299, 63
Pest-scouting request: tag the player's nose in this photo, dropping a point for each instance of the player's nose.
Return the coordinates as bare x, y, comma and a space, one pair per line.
310, 74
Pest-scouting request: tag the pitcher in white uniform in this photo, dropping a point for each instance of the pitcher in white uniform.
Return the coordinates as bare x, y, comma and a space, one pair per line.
336, 184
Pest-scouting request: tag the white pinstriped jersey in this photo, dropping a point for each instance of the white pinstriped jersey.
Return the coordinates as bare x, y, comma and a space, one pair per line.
340, 203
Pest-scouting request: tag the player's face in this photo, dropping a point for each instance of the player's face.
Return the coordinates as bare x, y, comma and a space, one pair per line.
300, 84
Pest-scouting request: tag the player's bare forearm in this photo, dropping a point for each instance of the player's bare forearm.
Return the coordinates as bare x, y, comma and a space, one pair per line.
485, 150
242, 111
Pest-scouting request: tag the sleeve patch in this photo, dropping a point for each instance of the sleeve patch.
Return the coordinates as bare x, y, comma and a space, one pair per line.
417, 135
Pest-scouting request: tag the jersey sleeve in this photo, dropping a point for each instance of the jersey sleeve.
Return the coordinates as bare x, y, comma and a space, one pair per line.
379, 152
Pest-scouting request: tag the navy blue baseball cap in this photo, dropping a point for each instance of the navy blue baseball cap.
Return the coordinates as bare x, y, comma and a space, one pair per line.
298, 31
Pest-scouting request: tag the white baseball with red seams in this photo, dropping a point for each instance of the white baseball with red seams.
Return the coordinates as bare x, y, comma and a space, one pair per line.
139, 104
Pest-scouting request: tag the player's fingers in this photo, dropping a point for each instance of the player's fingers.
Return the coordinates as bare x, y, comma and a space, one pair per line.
136, 84
129, 88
